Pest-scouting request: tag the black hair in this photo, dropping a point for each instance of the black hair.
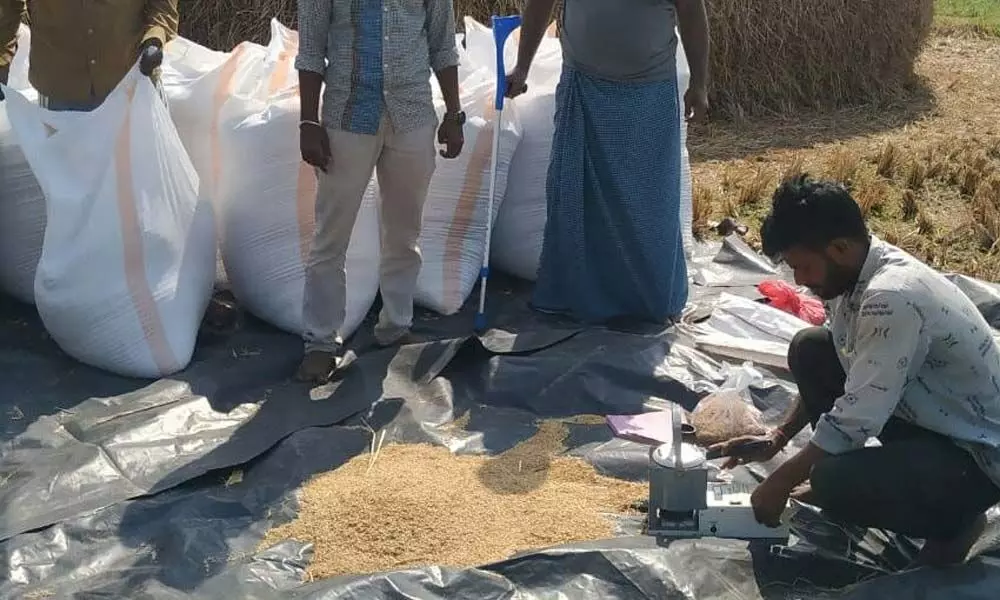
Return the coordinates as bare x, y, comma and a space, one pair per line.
810, 214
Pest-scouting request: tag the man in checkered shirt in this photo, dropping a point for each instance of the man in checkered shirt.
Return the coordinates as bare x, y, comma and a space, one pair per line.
375, 58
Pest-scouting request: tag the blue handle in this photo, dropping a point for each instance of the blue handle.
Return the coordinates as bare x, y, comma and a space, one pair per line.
502, 28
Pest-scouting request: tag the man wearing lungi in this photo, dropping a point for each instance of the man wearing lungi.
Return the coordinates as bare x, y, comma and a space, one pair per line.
613, 247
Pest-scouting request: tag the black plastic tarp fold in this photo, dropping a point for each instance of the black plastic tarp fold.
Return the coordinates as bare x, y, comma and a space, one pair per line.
116, 488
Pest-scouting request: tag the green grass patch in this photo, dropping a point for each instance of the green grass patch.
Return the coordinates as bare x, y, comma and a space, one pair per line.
974, 16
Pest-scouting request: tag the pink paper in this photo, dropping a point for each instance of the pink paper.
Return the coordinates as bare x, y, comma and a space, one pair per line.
651, 428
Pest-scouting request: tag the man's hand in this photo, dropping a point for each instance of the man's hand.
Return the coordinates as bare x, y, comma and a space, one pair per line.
696, 104
314, 144
775, 442
517, 82
150, 58
769, 501
451, 136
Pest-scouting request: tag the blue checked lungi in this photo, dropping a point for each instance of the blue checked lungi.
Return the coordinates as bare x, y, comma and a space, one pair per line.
613, 246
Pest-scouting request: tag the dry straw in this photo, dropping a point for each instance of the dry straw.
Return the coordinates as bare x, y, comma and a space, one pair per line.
767, 56
778, 56
421, 505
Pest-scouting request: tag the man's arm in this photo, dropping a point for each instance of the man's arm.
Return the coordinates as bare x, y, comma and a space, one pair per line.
890, 340
162, 21
692, 21
796, 420
534, 21
314, 29
10, 20
442, 53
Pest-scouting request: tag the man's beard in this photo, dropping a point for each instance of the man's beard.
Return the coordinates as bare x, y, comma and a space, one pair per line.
839, 280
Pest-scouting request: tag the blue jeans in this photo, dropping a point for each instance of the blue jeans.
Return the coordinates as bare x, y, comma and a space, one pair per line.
65, 105
90, 104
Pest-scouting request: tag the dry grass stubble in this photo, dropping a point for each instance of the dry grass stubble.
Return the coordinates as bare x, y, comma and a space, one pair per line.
928, 177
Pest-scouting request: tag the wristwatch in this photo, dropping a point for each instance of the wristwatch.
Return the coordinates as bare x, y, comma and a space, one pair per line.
458, 117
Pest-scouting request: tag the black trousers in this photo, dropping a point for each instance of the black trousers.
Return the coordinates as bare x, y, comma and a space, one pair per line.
918, 483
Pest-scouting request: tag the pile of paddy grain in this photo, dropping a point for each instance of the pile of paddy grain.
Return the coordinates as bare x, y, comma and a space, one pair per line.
421, 505
766, 56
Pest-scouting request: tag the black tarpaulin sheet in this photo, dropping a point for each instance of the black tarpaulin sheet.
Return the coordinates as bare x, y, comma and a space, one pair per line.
113, 488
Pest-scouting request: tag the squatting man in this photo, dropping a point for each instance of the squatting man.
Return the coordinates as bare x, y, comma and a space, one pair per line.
906, 358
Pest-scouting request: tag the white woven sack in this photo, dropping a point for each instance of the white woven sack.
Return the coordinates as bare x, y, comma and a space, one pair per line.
17, 77
22, 204
198, 83
520, 226
455, 221
128, 257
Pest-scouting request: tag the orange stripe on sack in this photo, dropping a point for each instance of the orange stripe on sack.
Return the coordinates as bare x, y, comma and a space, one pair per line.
135, 263
222, 92
306, 188
279, 76
305, 209
465, 210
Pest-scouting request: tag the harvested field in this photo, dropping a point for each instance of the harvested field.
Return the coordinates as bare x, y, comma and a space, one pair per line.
416, 505
979, 17
925, 166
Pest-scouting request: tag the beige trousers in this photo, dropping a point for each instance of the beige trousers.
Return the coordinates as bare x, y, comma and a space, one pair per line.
404, 163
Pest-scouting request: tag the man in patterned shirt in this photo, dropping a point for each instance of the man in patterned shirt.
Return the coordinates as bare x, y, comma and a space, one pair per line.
375, 58
907, 359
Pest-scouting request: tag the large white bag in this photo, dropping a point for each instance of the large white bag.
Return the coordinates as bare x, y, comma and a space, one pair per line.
198, 82
520, 226
22, 214
455, 220
22, 204
128, 258
20, 67
268, 199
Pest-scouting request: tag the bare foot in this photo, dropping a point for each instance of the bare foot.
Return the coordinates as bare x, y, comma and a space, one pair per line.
317, 367
944, 553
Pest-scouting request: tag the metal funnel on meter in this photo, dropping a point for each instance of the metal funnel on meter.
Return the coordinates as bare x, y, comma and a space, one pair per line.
683, 504
678, 479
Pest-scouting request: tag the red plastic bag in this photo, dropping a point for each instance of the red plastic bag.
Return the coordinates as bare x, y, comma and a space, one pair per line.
784, 297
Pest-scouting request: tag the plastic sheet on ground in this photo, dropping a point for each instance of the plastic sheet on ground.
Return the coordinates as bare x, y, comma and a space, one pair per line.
164, 490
